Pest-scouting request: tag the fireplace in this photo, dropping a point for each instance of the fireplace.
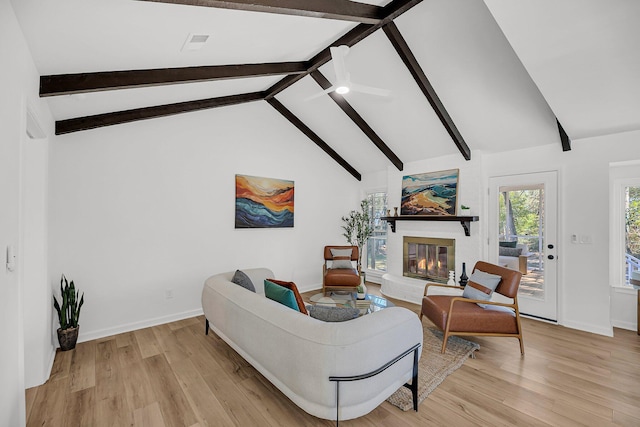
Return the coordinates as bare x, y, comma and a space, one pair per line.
428, 258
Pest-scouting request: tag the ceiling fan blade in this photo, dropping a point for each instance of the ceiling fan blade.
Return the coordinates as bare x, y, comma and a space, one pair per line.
319, 94
370, 90
337, 56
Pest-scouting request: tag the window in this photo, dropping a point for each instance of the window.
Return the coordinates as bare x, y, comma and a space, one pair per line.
631, 210
624, 229
377, 243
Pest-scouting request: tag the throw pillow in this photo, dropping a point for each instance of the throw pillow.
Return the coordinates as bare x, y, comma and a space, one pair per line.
280, 294
333, 314
241, 278
341, 262
292, 286
481, 286
515, 252
508, 244
341, 253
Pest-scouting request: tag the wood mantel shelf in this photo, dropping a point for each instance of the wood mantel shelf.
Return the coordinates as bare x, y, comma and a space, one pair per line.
464, 220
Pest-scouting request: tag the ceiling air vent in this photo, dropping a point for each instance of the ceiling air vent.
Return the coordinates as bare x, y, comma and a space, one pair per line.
195, 41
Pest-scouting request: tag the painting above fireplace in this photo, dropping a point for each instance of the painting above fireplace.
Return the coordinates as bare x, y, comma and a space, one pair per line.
428, 258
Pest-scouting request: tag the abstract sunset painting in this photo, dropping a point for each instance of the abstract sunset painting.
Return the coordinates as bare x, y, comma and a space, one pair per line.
263, 202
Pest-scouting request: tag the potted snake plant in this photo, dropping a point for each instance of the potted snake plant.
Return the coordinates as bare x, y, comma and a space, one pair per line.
68, 314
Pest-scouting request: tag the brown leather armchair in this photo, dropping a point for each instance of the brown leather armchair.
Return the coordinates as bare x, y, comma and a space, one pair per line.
339, 278
456, 315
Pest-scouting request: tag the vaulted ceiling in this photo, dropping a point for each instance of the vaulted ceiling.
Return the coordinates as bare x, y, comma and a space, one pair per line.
464, 75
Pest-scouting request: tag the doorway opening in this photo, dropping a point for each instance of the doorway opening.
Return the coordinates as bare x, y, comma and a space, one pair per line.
523, 212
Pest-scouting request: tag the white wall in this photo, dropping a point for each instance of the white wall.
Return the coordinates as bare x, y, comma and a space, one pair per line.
39, 337
19, 87
141, 208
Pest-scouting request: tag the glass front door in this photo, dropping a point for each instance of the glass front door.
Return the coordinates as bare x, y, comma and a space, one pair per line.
523, 237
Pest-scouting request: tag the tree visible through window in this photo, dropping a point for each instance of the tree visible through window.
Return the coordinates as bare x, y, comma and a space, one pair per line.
632, 230
377, 243
521, 214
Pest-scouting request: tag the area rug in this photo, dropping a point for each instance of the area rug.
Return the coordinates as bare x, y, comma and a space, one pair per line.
434, 366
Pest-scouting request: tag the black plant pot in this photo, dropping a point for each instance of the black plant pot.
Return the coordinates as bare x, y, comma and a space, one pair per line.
68, 338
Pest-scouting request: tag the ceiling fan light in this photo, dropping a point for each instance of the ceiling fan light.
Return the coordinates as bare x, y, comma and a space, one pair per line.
342, 90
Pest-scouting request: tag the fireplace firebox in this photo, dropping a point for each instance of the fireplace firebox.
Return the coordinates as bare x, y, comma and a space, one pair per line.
428, 258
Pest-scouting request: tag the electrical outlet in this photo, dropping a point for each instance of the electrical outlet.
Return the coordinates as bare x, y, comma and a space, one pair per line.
168, 293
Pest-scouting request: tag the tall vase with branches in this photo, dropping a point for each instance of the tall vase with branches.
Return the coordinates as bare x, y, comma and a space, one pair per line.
357, 228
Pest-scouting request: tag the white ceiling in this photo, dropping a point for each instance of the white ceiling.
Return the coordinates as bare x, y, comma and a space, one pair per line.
503, 69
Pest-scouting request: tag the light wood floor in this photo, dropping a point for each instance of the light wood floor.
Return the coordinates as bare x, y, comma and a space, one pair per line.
174, 375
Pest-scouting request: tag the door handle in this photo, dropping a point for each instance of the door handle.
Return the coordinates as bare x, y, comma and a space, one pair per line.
550, 256
550, 246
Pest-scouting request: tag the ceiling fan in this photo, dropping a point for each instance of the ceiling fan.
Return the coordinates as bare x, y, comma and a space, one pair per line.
343, 84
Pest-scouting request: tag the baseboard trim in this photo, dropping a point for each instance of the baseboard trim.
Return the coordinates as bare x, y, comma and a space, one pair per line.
309, 288
128, 327
594, 329
45, 373
49, 366
622, 324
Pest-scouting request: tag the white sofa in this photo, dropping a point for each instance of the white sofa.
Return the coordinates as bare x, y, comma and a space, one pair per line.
518, 263
298, 353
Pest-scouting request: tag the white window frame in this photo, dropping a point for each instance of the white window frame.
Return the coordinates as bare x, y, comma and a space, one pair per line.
617, 249
370, 272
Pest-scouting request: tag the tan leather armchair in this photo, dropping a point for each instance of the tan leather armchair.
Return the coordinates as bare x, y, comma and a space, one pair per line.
339, 278
456, 315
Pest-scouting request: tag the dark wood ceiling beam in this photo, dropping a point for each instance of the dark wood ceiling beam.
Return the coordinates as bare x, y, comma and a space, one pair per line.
119, 117
349, 39
358, 120
352, 37
327, 9
410, 61
361, 31
65, 84
564, 138
313, 137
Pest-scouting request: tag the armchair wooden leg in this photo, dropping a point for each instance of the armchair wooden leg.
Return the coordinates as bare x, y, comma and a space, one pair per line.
445, 337
521, 345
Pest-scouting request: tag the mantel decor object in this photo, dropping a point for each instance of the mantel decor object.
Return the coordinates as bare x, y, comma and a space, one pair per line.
463, 277
452, 278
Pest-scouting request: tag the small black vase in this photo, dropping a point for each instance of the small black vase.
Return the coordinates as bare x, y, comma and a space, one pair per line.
463, 277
